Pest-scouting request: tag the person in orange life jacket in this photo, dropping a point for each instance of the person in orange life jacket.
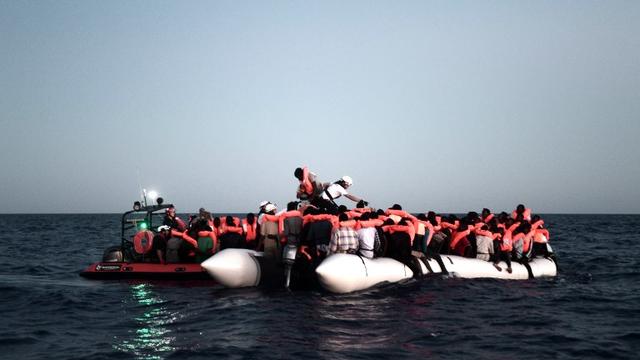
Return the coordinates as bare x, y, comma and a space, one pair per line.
318, 234
159, 246
334, 191
399, 242
173, 221
540, 239
292, 225
484, 243
269, 234
521, 213
460, 244
486, 215
310, 187
250, 228
505, 246
232, 236
344, 240
522, 238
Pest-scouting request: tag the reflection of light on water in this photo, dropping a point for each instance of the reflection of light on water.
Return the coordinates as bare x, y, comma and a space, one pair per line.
152, 339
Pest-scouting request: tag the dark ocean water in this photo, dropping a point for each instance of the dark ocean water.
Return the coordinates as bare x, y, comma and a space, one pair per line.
591, 310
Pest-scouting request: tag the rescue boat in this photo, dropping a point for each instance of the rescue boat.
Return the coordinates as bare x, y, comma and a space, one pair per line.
344, 273
132, 259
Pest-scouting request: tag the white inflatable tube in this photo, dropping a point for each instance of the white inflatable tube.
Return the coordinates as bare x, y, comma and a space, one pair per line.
234, 268
469, 268
343, 273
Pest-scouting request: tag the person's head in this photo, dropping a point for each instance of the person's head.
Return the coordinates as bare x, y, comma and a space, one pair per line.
422, 217
201, 211
485, 212
171, 211
342, 209
396, 207
298, 173
520, 208
379, 212
403, 222
310, 210
270, 208
229, 221
251, 218
345, 181
364, 217
293, 205
216, 221
372, 215
431, 215
389, 222
343, 217
361, 204
164, 229
535, 218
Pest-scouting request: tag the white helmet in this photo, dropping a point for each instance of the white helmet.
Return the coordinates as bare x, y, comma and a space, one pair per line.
163, 227
270, 207
347, 180
264, 203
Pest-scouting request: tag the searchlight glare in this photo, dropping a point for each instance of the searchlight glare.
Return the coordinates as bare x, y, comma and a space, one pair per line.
153, 195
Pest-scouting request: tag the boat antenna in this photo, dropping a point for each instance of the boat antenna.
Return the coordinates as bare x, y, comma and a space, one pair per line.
143, 191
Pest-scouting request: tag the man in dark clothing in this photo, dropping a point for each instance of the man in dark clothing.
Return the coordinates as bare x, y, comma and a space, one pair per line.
173, 221
160, 242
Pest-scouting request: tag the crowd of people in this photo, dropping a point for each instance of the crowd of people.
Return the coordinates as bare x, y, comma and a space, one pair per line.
318, 227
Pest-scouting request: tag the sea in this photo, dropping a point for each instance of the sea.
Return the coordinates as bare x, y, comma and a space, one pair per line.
591, 310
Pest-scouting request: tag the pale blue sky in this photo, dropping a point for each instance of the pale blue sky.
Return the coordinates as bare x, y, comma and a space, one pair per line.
443, 105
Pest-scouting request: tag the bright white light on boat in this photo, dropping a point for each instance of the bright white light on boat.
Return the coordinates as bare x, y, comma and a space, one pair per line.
153, 195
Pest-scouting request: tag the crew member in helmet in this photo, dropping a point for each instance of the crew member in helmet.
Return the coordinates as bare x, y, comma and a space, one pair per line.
333, 192
172, 220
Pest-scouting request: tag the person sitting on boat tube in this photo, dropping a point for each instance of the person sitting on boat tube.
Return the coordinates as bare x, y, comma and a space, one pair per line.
333, 192
344, 240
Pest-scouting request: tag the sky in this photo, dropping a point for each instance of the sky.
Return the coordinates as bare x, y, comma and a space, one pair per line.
449, 106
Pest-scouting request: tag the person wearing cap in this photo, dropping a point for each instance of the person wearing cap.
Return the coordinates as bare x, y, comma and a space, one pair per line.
269, 233
160, 242
335, 191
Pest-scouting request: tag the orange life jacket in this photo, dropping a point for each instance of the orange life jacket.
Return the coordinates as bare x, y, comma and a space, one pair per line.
526, 214
488, 218
305, 184
250, 230
369, 223
143, 241
286, 215
409, 229
459, 235
541, 236
321, 217
189, 239
507, 239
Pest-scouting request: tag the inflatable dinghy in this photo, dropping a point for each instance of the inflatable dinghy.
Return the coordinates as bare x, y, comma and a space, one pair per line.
343, 273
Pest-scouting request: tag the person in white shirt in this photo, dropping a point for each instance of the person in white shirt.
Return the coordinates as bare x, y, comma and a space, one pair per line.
335, 191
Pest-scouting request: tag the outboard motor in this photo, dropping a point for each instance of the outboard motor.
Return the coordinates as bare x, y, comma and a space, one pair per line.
113, 254
288, 258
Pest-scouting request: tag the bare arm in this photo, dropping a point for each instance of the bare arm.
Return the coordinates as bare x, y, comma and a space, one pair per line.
352, 197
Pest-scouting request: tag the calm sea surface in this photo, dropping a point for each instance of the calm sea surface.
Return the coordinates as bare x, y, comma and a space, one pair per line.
591, 310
